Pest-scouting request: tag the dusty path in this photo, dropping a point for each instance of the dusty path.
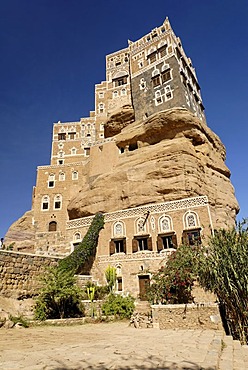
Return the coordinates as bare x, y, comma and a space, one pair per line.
105, 346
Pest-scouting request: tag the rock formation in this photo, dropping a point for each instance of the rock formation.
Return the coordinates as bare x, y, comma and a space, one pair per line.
21, 234
171, 155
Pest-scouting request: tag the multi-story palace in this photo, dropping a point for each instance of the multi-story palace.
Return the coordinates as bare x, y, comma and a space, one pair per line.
152, 74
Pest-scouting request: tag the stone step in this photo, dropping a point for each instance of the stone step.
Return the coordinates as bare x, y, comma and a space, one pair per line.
143, 307
234, 356
213, 354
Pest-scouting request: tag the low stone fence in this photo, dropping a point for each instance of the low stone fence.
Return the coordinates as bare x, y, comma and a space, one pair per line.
187, 316
19, 273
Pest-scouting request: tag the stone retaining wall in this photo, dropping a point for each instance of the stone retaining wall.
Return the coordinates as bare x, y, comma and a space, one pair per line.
19, 273
187, 316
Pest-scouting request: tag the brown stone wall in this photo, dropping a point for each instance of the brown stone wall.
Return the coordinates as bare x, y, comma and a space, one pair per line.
191, 316
19, 273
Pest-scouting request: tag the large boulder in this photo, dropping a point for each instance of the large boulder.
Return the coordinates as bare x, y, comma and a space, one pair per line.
21, 234
170, 155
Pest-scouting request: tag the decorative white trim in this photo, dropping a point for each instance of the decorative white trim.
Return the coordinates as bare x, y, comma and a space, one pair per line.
175, 205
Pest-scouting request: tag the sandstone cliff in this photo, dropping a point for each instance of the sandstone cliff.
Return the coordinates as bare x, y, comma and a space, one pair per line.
22, 234
171, 155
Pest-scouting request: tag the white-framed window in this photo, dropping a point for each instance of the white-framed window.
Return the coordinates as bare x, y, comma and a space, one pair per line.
61, 176
60, 161
45, 202
191, 220
119, 229
142, 84
74, 175
115, 94
61, 154
141, 225
101, 108
123, 92
158, 98
51, 180
101, 95
73, 151
101, 127
57, 202
165, 224
168, 92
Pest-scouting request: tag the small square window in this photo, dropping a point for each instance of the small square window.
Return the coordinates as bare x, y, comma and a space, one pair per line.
51, 184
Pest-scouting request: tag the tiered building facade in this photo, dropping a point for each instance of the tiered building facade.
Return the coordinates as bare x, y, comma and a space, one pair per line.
150, 75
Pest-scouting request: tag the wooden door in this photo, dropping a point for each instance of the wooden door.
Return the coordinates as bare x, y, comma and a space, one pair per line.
144, 284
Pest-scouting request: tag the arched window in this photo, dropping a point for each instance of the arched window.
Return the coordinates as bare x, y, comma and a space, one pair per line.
141, 225
158, 98
123, 92
191, 220
61, 176
74, 175
101, 108
73, 151
52, 226
168, 92
165, 224
58, 201
115, 94
45, 203
51, 180
77, 236
119, 229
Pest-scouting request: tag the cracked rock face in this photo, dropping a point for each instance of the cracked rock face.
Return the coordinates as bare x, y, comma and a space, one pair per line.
171, 155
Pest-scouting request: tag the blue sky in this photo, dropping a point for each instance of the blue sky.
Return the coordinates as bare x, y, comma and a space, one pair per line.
53, 52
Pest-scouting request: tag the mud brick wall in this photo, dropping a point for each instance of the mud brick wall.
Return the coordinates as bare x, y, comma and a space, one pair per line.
19, 273
190, 316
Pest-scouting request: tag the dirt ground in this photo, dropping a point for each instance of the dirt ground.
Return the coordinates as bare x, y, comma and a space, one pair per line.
101, 346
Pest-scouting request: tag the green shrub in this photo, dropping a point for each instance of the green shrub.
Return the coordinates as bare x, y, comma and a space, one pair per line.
100, 291
118, 306
59, 297
20, 320
173, 283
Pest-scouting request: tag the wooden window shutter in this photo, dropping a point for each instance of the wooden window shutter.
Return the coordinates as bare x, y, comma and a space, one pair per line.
149, 243
185, 239
174, 240
135, 245
160, 246
111, 247
124, 246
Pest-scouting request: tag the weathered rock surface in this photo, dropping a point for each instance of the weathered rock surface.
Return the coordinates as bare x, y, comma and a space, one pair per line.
118, 120
176, 156
22, 234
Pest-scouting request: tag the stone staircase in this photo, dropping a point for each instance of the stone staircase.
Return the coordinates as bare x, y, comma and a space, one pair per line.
234, 356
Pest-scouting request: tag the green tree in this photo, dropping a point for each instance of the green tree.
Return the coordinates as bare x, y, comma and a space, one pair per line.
174, 281
59, 296
110, 274
224, 271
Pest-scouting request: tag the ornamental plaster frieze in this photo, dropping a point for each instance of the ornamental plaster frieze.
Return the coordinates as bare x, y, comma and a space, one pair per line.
137, 49
121, 257
61, 165
187, 203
